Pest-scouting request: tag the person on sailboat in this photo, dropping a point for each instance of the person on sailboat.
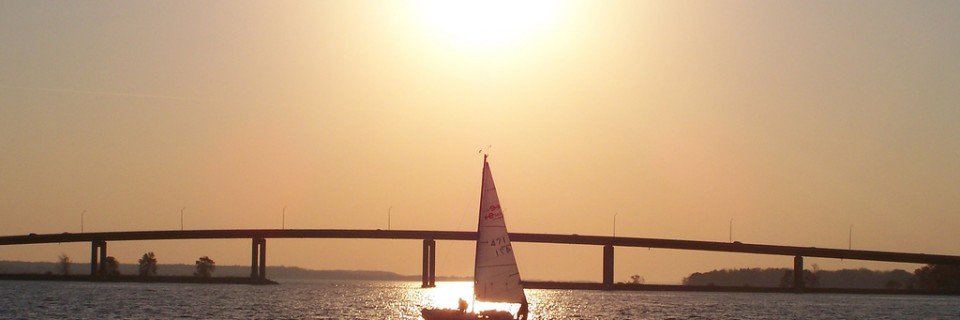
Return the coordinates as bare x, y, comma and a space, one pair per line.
462, 305
524, 310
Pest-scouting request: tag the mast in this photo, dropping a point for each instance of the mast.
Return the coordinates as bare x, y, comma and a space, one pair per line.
476, 261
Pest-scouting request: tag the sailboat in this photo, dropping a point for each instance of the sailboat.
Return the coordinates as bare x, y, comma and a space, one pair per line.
496, 277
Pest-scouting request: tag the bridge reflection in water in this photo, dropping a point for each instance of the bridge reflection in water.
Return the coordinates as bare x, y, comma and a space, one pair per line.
258, 238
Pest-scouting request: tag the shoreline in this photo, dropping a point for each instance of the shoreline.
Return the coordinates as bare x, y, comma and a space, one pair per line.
138, 279
546, 285
685, 288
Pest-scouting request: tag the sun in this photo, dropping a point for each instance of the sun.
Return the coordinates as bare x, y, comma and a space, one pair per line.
487, 24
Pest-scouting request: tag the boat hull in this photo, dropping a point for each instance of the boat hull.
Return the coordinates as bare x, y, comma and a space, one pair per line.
453, 314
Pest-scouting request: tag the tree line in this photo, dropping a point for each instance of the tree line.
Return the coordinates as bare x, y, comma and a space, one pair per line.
146, 266
929, 277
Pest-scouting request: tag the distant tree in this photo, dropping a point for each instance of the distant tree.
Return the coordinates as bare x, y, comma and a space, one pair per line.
148, 265
787, 280
809, 279
736, 277
113, 267
636, 279
815, 278
863, 278
205, 267
938, 277
63, 264
893, 284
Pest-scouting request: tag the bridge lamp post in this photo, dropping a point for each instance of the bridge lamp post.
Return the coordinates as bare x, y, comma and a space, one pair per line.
81, 220
615, 223
283, 222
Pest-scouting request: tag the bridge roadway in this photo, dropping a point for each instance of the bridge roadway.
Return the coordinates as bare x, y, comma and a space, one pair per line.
258, 261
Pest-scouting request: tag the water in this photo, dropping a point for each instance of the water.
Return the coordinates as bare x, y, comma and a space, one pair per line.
402, 300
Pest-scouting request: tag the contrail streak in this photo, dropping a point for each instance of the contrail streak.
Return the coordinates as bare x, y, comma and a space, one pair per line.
105, 93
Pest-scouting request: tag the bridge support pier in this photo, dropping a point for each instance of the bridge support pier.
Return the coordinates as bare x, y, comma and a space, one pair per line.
608, 267
258, 259
98, 257
798, 274
429, 274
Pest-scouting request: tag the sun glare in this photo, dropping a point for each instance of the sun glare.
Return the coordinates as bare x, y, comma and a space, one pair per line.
487, 24
446, 295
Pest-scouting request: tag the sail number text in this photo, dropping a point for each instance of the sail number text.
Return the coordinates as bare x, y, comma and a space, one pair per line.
501, 246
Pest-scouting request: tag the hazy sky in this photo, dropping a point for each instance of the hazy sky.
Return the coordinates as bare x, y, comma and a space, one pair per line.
793, 119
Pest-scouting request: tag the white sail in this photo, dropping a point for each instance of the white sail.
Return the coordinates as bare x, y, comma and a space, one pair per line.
496, 277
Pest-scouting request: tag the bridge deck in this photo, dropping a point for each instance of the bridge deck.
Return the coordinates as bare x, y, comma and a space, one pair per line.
466, 235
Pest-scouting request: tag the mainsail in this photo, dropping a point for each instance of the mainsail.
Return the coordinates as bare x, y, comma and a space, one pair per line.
496, 277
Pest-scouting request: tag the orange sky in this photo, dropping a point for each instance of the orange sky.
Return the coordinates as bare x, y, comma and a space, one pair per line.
795, 120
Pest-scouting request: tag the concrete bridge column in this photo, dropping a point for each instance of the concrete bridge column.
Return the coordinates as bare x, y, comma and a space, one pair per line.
103, 258
258, 259
263, 258
798, 273
608, 266
98, 257
433, 263
254, 253
94, 245
429, 275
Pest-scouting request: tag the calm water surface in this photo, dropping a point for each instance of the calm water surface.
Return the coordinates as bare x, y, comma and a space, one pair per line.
402, 300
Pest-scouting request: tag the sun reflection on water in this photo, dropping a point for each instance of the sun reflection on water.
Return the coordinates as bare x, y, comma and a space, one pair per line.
446, 295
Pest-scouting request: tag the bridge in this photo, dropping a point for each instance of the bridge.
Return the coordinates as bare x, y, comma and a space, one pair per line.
98, 241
